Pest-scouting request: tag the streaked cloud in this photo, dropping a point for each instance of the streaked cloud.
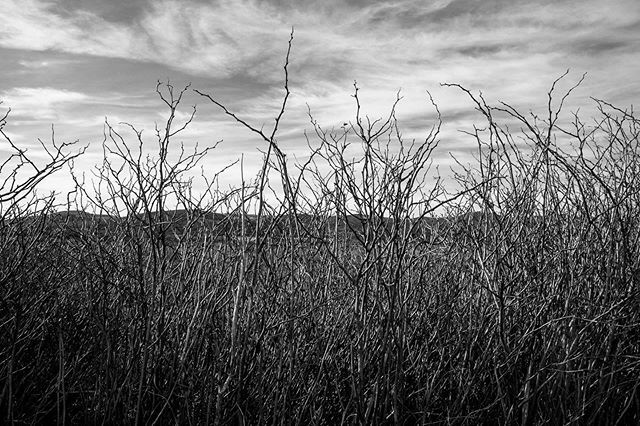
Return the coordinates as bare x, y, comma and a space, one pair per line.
40, 103
35, 25
110, 54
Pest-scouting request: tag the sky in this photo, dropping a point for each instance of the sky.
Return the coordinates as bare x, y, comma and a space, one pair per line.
75, 63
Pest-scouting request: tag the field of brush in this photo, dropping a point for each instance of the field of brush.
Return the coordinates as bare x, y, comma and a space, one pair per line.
368, 295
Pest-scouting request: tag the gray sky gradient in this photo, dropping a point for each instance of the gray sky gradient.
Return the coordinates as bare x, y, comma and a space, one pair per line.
74, 62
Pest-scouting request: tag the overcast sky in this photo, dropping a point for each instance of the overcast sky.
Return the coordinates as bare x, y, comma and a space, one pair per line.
72, 63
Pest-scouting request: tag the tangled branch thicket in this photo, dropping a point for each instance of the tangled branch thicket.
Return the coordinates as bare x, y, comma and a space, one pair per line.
349, 302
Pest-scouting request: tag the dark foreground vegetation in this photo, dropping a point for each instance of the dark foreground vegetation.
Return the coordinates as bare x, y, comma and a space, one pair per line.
347, 302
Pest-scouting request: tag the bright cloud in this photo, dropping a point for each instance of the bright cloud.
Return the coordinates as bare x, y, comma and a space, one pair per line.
40, 103
510, 49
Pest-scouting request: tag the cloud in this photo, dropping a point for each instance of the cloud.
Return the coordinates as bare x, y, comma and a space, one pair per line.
34, 25
40, 103
374, 42
510, 49
200, 38
44, 63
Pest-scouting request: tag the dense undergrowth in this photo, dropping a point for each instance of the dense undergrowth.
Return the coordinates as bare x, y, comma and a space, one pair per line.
349, 301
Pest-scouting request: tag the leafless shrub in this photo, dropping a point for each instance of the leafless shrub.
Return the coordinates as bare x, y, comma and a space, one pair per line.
348, 302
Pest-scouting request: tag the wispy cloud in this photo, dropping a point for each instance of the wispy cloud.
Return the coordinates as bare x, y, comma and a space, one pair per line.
109, 54
375, 41
35, 25
40, 103
215, 39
